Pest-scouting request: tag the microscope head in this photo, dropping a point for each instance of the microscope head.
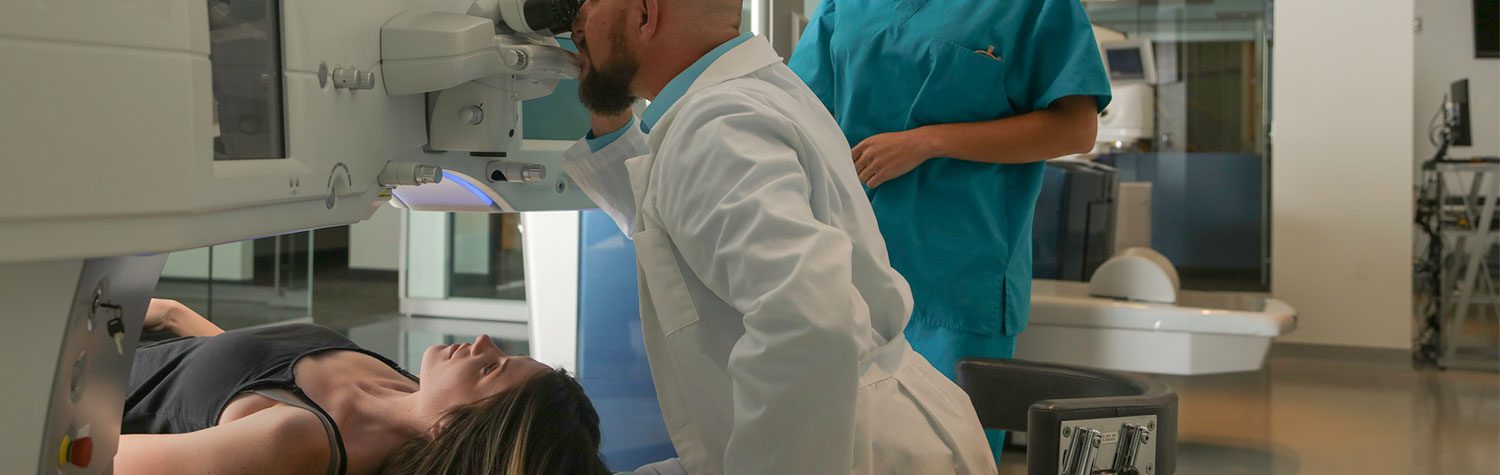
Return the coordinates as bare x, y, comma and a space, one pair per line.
543, 17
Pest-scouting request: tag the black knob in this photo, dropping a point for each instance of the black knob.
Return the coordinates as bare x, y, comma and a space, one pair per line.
551, 16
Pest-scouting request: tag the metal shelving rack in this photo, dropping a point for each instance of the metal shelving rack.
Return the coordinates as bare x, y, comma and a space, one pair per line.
1460, 200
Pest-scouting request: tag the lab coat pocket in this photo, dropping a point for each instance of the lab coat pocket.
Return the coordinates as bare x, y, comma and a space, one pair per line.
664, 283
964, 83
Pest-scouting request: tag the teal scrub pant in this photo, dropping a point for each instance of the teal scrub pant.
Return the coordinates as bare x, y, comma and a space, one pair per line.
944, 347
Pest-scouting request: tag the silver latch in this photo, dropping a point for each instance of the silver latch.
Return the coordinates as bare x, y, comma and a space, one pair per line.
353, 79
502, 171
1116, 445
409, 174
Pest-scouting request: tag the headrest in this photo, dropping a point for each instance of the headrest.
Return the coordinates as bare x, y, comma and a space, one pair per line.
1137, 274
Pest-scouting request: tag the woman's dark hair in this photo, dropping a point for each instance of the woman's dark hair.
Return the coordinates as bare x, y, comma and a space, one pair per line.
545, 426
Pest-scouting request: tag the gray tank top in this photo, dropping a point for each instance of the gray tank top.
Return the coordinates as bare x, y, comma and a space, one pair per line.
182, 385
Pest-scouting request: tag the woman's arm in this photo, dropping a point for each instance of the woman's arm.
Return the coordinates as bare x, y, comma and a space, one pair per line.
1069, 126
276, 440
172, 316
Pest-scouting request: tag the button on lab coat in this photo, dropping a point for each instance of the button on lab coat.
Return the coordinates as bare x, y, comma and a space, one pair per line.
771, 316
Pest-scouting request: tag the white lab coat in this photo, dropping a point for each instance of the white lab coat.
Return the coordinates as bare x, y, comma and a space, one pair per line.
771, 315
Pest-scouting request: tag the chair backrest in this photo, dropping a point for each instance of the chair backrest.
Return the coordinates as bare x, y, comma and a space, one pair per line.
1037, 398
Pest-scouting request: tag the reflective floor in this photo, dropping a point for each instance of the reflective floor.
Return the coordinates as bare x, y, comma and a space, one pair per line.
1312, 410
1326, 412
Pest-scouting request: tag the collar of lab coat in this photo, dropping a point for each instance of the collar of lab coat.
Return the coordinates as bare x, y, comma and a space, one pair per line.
748, 57
680, 85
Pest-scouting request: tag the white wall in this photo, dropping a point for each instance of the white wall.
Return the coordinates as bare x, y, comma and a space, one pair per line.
1445, 53
1341, 169
427, 251
375, 244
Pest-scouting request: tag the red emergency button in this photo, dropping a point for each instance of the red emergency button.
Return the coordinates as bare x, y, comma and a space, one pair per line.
77, 452
82, 452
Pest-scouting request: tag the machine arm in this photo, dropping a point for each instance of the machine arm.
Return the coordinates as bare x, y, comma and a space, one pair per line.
429, 51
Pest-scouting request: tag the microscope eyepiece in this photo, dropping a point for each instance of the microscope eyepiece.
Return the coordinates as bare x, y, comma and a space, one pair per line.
553, 17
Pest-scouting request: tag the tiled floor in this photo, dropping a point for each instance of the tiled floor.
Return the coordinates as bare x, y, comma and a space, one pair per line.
1313, 411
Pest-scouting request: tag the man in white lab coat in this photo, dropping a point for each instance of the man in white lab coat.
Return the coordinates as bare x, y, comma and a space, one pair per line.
771, 315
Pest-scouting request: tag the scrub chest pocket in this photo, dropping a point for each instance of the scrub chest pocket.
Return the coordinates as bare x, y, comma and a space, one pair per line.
964, 83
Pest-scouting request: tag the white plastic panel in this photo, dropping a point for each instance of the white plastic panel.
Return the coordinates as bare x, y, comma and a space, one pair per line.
145, 24
112, 120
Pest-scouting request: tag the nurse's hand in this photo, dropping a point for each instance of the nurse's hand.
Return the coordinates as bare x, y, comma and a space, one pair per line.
884, 157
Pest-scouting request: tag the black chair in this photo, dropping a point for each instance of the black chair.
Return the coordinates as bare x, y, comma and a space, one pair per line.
1042, 399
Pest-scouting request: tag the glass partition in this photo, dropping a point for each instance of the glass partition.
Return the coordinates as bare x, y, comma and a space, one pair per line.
464, 265
244, 284
486, 261
340, 277
1206, 165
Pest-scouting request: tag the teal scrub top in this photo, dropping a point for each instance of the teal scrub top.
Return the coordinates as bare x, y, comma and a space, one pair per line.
959, 231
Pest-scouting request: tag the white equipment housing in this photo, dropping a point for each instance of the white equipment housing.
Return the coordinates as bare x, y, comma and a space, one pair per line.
131, 128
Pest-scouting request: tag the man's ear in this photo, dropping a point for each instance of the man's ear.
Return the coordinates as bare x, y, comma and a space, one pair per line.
650, 18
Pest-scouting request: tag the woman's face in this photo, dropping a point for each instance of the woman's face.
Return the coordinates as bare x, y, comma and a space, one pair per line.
459, 374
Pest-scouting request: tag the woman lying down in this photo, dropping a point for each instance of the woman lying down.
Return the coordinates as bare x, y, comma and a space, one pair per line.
304, 399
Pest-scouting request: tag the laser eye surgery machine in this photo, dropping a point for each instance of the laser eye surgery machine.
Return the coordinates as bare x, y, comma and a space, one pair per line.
133, 128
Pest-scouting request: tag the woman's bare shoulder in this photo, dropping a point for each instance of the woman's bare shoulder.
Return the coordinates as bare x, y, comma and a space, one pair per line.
278, 439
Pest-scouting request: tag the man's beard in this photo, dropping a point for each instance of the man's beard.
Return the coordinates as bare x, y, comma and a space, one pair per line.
605, 90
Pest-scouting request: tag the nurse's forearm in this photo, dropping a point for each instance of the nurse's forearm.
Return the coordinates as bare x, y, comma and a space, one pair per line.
1069, 126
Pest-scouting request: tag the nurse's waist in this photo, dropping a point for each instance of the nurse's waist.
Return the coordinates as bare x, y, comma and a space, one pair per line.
959, 265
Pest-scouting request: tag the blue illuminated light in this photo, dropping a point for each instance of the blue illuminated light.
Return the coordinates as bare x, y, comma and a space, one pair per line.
470, 186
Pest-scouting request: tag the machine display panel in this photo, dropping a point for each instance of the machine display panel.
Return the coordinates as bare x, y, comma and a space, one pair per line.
1126, 63
249, 101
